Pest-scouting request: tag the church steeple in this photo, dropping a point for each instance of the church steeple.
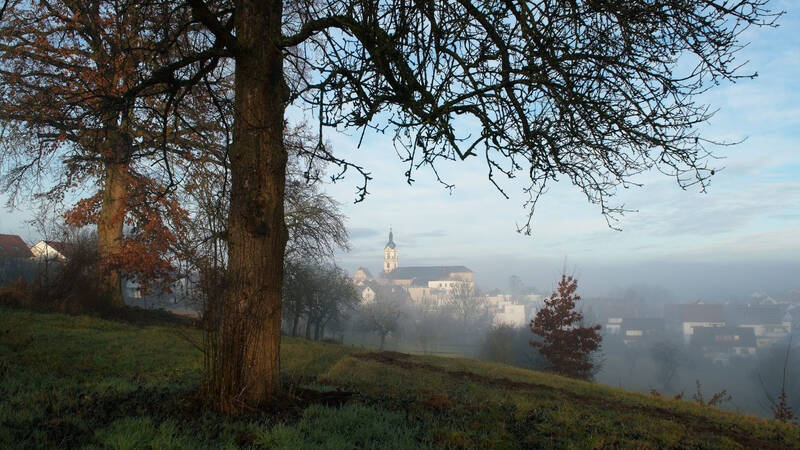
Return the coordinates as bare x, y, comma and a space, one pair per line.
391, 243
390, 254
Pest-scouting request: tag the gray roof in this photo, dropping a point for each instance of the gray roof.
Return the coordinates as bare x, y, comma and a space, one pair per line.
695, 312
754, 314
422, 275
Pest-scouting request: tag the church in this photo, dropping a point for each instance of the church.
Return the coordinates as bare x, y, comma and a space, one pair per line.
422, 283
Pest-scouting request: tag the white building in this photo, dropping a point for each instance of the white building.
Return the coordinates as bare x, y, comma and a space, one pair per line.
685, 318
50, 250
506, 311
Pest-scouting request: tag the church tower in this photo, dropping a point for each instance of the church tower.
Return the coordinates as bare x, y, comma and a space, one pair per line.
390, 254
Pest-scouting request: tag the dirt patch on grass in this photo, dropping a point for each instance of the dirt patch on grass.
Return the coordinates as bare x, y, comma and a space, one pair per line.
695, 423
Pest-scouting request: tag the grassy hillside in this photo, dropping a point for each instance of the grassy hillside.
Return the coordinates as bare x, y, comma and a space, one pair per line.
88, 383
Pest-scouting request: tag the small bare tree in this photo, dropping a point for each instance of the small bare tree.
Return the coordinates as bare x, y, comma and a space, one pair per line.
465, 302
779, 406
667, 356
382, 316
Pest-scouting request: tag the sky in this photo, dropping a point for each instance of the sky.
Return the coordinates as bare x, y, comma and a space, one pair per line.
742, 236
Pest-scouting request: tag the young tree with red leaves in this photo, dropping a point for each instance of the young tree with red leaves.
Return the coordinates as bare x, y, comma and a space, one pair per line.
566, 343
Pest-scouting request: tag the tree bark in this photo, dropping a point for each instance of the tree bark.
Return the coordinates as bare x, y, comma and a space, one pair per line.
109, 231
247, 372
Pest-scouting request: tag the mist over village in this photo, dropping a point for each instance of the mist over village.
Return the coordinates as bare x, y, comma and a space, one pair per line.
371, 224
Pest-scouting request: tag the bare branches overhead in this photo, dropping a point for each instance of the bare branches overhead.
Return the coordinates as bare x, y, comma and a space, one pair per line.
596, 92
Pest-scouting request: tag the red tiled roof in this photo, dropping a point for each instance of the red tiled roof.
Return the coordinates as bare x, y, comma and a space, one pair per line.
12, 246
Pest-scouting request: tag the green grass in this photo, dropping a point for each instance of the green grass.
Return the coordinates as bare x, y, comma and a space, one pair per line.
88, 383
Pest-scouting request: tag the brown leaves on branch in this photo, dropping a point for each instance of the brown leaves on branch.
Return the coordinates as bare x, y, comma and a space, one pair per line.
155, 225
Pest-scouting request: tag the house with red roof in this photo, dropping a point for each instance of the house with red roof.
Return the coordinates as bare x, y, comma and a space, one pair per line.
12, 246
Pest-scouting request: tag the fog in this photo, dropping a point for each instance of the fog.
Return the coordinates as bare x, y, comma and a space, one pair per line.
686, 280
667, 362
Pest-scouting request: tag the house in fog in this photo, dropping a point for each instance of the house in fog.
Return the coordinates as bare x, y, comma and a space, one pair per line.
769, 322
614, 313
361, 275
367, 294
635, 330
12, 246
688, 317
49, 250
720, 344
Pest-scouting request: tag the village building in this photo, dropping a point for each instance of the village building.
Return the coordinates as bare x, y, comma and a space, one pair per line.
769, 322
49, 250
638, 330
719, 344
423, 284
688, 317
12, 246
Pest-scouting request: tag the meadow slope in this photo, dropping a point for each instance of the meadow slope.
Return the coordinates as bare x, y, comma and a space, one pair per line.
82, 382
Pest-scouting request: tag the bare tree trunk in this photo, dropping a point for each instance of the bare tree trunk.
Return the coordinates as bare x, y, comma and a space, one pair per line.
309, 323
109, 231
295, 323
247, 370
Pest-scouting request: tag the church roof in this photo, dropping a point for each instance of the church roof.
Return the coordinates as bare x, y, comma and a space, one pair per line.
422, 275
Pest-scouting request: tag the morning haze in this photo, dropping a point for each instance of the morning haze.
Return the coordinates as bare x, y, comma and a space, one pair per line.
386, 224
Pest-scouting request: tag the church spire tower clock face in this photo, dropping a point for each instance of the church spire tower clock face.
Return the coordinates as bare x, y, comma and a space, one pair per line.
390, 254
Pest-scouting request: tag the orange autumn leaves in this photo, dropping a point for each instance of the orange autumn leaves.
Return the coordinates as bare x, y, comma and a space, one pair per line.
155, 223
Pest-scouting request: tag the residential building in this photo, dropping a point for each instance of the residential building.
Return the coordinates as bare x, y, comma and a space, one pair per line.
12, 246
768, 321
50, 250
719, 344
685, 318
636, 330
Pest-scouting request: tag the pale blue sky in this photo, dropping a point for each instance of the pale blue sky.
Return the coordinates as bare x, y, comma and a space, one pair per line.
750, 216
749, 219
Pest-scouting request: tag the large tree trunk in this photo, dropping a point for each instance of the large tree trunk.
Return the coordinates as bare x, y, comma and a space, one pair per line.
109, 231
246, 372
